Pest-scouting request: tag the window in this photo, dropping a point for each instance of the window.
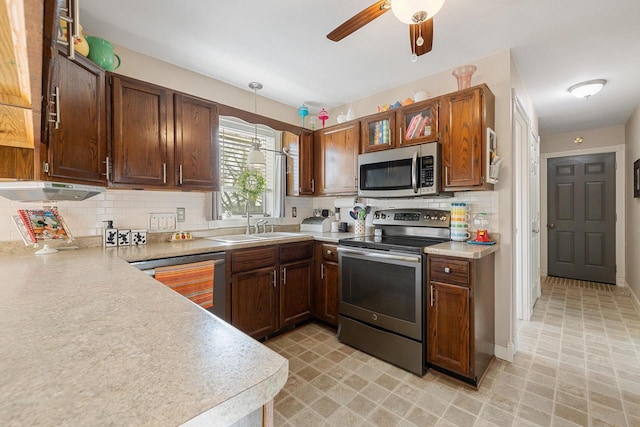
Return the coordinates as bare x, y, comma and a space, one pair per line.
235, 142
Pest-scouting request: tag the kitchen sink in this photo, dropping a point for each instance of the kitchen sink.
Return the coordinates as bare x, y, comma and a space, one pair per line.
277, 235
234, 238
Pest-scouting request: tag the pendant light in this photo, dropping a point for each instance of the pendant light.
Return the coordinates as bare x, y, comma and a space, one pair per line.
255, 156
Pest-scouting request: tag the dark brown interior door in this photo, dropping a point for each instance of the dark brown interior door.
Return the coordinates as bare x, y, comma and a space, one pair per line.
581, 218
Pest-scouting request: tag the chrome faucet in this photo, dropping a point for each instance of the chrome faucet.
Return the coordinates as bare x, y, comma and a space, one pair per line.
246, 208
261, 222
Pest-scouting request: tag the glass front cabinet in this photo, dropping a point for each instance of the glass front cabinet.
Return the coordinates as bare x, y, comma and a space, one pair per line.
378, 131
418, 123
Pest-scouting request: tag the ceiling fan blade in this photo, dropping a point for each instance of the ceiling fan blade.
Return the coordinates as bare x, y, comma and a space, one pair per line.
427, 35
359, 20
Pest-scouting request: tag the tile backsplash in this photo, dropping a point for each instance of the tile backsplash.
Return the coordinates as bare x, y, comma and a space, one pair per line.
130, 209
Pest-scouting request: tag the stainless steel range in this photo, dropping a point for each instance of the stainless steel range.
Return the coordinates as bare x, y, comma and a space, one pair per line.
382, 285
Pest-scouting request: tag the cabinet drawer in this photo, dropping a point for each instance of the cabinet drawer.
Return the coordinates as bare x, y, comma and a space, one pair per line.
448, 270
296, 251
330, 252
252, 259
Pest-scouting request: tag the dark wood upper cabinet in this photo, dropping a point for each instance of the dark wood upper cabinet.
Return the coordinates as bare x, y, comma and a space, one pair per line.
76, 139
465, 116
140, 140
336, 159
196, 143
418, 123
300, 179
378, 131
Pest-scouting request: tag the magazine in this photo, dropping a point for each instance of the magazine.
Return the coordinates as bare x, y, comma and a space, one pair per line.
44, 224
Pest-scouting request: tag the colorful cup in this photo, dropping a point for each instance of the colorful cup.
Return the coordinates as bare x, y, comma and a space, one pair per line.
101, 52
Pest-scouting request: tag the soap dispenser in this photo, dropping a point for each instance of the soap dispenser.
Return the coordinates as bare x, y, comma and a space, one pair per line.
110, 236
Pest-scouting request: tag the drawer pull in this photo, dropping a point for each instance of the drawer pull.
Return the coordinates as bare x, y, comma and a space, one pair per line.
447, 270
329, 252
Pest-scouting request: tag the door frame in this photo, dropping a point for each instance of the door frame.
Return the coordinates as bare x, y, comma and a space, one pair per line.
524, 221
619, 151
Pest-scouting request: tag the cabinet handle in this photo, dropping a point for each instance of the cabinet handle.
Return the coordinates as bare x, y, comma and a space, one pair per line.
284, 276
313, 185
447, 270
431, 286
322, 271
400, 135
107, 166
329, 252
164, 173
55, 100
180, 172
446, 175
274, 278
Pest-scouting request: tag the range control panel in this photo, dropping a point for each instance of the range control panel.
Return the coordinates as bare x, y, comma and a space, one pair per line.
412, 217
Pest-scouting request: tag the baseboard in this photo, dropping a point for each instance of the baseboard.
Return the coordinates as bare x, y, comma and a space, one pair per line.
634, 297
505, 353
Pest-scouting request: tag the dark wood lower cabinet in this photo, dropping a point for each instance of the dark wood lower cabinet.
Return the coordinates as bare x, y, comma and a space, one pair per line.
295, 292
271, 287
460, 316
327, 279
253, 302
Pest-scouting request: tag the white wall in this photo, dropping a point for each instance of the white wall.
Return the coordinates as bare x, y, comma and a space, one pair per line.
595, 138
632, 223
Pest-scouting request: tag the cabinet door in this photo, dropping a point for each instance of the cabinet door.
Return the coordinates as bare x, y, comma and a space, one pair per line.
462, 139
295, 292
140, 133
77, 141
300, 180
196, 143
327, 304
448, 344
253, 302
418, 123
337, 160
378, 131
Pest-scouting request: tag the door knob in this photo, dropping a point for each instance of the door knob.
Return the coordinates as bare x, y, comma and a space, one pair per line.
535, 230
551, 225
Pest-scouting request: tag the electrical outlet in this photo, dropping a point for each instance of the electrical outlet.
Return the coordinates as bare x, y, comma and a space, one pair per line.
182, 215
294, 212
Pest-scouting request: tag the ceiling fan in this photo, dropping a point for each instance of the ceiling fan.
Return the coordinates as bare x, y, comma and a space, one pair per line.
417, 13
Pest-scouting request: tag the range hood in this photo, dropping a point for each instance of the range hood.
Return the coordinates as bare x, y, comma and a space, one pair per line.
42, 191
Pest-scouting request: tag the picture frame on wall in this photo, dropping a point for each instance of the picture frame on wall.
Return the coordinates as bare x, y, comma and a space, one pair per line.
636, 178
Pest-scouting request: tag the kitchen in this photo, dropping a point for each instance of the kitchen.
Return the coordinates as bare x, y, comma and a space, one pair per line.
495, 70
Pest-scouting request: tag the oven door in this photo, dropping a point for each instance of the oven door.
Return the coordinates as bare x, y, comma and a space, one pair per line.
383, 289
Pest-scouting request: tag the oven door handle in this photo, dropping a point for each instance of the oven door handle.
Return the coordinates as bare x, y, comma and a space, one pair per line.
414, 172
383, 255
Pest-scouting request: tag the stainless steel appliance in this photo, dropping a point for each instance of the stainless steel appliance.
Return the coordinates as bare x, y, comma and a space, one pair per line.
382, 285
42, 191
401, 172
219, 274
318, 224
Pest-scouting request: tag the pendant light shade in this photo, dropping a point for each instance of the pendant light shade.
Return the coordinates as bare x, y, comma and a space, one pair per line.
256, 156
415, 11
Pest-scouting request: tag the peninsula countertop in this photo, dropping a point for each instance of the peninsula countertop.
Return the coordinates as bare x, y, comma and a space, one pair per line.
89, 340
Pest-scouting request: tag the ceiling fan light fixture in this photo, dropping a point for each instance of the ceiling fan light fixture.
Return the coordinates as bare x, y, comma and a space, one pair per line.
587, 89
415, 11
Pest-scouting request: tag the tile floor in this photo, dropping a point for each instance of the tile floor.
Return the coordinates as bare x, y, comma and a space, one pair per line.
578, 364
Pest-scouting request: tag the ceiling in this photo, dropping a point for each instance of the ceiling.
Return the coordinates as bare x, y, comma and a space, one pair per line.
283, 44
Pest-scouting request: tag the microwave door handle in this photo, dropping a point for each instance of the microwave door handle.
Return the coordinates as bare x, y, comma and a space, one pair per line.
414, 172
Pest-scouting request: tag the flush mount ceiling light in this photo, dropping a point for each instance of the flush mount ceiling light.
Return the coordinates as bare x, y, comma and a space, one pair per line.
587, 89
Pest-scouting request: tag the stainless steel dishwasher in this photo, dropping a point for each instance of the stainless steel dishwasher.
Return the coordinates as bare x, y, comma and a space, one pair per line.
189, 275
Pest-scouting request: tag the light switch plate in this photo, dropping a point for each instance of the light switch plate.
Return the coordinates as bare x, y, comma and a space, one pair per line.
182, 215
162, 222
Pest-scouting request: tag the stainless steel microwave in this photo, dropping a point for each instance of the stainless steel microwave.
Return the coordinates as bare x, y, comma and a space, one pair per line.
412, 171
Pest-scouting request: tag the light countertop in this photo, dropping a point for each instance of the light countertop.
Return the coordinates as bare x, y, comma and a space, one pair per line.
89, 340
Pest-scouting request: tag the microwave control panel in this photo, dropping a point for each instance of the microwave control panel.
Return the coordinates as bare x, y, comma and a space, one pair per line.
427, 171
